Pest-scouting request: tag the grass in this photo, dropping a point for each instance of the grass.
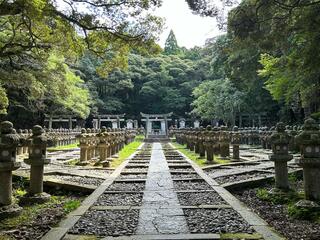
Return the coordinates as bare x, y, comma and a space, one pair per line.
127, 151
195, 157
72, 162
71, 205
65, 147
29, 213
240, 236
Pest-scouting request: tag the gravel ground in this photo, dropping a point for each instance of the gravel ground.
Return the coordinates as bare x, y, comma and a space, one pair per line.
240, 177
216, 221
126, 186
184, 165
120, 199
243, 166
178, 161
136, 165
139, 162
34, 226
174, 158
182, 170
79, 180
104, 173
184, 176
137, 169
107, 223
200, 198
191, 185
133, 176
276, 216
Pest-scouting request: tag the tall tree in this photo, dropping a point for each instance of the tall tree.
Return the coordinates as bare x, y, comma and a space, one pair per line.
171, 45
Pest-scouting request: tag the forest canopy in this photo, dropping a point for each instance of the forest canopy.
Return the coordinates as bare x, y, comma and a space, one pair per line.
81, 58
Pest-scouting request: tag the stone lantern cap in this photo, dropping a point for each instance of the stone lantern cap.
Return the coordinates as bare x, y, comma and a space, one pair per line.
280, 141
280, 137
309, 142
37, 147
9, 140
235, 137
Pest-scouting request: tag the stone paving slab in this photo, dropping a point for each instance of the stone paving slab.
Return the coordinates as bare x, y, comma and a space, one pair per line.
154, 237
159, 193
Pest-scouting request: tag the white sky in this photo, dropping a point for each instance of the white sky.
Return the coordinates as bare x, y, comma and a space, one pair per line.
190, 30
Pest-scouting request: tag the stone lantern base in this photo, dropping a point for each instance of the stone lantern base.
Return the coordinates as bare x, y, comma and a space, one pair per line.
307, 204
8, 211
279, 192
105, 163
83, 163
39, 198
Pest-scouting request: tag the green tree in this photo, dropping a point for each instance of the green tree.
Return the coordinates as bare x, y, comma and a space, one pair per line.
286, 36
217, 99
171, 45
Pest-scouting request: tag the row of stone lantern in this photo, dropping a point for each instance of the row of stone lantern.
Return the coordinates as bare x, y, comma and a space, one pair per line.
261, 136
102, 144
308, 141
55, 137
9, 142
210, 141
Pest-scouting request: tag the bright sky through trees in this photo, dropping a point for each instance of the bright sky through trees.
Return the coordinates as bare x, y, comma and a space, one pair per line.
190, 30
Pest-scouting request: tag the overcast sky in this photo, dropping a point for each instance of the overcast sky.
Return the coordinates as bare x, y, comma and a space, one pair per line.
190, 30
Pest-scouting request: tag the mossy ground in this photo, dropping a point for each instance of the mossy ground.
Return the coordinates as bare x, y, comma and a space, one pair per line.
201, 161
289, 199
58, 206
240, 236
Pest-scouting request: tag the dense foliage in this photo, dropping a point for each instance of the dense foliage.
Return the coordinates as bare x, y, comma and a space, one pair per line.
157, 84
285, 34
87, 57
271, 55
41, 41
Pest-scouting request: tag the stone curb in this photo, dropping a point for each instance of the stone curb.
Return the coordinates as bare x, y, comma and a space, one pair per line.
163, 207
50, 182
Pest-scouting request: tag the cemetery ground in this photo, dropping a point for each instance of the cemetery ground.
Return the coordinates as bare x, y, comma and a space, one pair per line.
163, 191
66, 182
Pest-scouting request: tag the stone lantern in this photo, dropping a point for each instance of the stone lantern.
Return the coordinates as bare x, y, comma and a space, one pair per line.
196, 140
224, 139
216, 140
37, 159
235, 141
9, 142
103, 147
83, 144
208, 144
280, 145
202, 151
309, 142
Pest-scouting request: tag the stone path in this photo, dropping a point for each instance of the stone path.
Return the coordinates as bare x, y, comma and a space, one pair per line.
160, 194
161, 212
